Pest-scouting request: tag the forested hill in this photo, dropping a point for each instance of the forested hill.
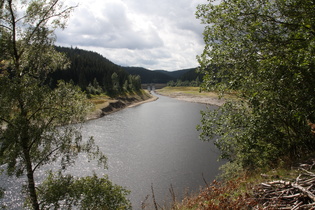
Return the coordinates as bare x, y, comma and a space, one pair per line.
88, 68
148, 76
162, 76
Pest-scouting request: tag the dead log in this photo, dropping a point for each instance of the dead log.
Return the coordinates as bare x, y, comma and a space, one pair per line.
296, 194
304, 190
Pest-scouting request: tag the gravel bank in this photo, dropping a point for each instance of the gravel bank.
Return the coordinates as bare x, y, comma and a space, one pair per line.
194, 98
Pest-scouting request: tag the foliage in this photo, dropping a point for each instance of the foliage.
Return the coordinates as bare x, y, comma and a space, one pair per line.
86, 67
93, 73
31, 113
134, 82
264, 51
148, 76
190, 78
94, 89
115, 82
180, 83
162, 76
191, 75
66, 192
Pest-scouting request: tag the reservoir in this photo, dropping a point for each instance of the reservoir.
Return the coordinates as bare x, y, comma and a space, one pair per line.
153, 144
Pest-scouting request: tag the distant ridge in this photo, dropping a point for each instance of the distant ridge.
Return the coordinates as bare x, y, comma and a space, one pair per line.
88, 66
161, 76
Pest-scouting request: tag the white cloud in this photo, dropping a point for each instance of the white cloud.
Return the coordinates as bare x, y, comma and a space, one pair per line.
152, 34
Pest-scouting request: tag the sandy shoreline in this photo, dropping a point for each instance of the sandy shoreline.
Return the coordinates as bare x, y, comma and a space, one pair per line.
195, 98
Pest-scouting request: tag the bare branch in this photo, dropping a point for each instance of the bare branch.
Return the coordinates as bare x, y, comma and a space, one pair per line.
45, 157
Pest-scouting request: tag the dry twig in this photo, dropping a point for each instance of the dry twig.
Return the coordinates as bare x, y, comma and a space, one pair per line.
279, 194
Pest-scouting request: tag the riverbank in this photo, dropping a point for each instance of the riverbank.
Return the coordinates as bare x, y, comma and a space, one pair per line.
290, 187
287, 187
191, 94
105, 105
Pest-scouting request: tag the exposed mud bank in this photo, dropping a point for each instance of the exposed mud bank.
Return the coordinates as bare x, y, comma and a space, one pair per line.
120, 103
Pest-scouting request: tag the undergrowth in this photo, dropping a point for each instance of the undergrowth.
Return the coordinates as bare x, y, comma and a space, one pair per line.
233, 194
240, 192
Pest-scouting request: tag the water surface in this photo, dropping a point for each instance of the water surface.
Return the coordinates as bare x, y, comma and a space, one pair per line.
154, 144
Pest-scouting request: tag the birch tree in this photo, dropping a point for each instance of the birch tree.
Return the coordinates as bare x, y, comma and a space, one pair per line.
31, 114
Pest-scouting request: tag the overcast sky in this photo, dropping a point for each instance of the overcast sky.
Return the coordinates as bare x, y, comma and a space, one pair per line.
154, 34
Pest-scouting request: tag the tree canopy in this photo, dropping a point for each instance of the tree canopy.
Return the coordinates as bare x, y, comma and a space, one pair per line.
264, 52
36, 121
87, 68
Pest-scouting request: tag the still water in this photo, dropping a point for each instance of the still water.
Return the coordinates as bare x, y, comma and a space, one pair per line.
154, 144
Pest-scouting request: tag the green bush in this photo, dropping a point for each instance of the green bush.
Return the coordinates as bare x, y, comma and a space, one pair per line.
91, 192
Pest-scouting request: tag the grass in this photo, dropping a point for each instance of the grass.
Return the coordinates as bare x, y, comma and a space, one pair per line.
185, 90
102, 101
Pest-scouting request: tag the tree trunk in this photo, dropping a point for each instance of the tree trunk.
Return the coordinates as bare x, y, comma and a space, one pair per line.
30, 179
25, 139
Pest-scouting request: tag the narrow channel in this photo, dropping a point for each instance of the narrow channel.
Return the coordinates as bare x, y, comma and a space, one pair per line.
155, 144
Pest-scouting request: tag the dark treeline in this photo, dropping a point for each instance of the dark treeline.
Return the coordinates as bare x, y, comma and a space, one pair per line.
149, 76
94, 74
191, 77
184, 77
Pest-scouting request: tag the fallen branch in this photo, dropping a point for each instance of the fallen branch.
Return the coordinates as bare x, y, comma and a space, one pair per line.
307, 192
296, 194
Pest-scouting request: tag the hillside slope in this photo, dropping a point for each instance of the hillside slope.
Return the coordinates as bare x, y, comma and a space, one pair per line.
161, 76
87, 67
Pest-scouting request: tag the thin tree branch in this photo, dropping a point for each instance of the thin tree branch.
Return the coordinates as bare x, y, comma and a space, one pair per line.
7, 121
7, 27
43, 128
15, 51
45, 158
